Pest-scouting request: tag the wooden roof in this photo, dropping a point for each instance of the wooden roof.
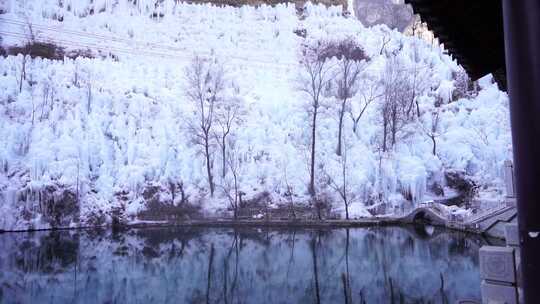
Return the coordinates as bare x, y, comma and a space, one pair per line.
471, 30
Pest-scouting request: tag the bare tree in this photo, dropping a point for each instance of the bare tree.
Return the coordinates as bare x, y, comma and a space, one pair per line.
385, 40
177, 184
312, 81
228, 114
352, 60
289, 193
386, 109
48, 94
205, 83
416, 82
23, 71
26, 50
231, 183
341, 182
395, 102
31, 35
369, 92
431, 129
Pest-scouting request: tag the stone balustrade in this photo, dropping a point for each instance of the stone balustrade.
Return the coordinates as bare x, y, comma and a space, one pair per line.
499, 270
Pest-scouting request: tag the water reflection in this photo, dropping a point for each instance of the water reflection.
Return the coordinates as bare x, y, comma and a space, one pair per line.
210, 265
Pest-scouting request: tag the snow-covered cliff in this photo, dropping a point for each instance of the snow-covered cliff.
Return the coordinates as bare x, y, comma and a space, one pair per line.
103, 135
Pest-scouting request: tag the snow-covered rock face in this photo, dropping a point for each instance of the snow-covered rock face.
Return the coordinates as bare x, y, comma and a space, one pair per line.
106, 129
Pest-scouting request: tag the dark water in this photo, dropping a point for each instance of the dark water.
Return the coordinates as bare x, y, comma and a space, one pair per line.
171, 265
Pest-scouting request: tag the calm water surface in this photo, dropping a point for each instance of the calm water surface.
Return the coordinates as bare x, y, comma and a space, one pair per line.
218, 265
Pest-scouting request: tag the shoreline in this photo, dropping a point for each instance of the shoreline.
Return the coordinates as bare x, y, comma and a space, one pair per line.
229, 222
226, 222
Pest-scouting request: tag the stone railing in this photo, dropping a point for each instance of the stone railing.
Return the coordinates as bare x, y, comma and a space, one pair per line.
500, 266
509, 200
487, 212
500, 270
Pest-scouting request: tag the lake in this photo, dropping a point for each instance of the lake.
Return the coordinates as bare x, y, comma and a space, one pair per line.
248, 265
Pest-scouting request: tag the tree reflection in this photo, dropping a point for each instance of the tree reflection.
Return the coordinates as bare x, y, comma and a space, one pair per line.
49, 253
315, 271
198, 265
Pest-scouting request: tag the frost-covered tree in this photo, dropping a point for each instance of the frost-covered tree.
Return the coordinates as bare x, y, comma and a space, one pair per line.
88, 81
352, 61
312, 80
204, 89
49, 92
463, 85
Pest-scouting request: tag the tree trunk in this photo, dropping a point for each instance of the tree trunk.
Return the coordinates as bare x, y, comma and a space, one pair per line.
89, 100
235, 195
385, 133
313, 141
223, 150
23, 72
208, 164
394, 126
434, 151
340, 128
183, 198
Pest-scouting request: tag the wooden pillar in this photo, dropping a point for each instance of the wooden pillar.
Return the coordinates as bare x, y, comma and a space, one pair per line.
522, 45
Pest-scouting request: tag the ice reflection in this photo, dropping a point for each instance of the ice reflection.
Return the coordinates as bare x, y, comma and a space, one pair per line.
210, 265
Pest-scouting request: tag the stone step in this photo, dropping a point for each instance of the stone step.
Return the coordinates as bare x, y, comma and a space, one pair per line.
504, 216
481, 217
